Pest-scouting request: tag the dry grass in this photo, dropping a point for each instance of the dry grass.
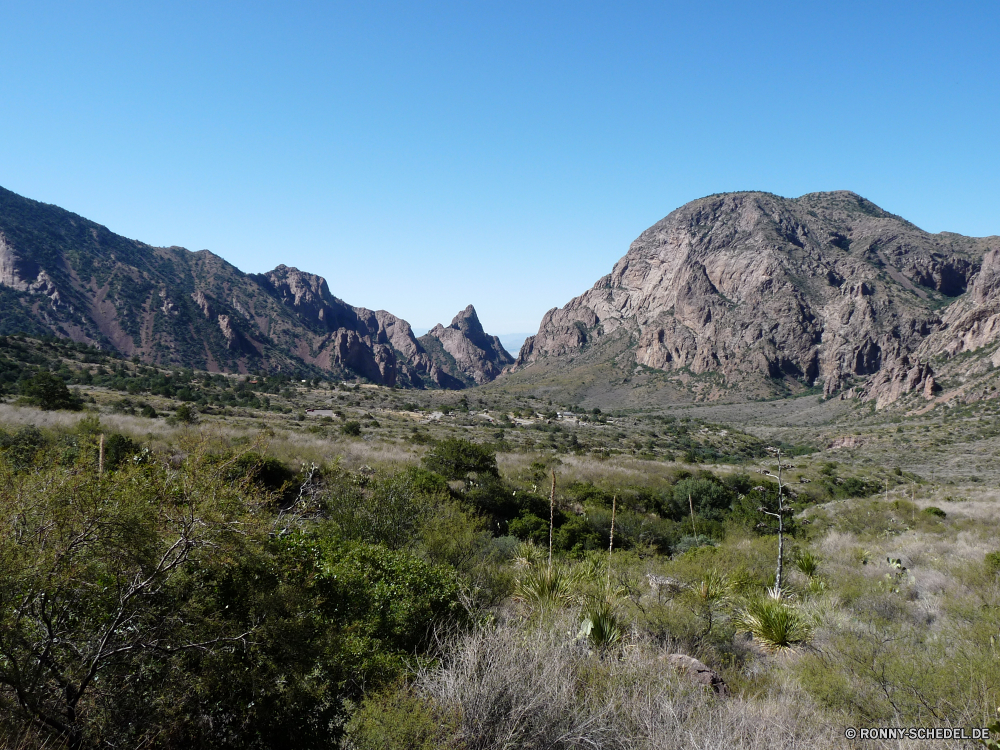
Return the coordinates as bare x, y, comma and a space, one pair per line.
538, 688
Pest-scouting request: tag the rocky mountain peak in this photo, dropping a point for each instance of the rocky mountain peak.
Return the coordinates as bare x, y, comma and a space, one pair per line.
765, 293
65, 275
478, 356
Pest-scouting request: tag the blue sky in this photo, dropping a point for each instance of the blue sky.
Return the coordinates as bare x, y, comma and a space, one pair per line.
422, 156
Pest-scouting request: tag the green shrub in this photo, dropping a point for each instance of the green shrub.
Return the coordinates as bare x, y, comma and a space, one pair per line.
456, 459
351, 428
993, 562
807, 563
266, 472
401, 719
711, 499
601, 627
543, 587
932, 510
48, 391
117, 449
183, 415
21, 448
530, 528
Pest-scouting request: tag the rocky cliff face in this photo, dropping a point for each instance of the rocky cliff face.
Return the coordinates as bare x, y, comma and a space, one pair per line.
464, 350
769, 294
62, 274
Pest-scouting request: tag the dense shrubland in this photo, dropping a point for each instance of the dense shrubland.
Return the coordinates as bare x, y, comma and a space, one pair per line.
209, 594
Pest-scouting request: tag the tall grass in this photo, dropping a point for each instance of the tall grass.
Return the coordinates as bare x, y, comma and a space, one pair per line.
535, 689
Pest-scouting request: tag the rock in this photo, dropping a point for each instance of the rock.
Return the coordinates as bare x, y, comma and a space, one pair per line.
469, 353
771, 293
698, 672
125, 295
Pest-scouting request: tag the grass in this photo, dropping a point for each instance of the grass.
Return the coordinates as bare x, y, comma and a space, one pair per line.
859, 641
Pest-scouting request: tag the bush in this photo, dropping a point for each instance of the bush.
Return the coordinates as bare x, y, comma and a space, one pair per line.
388, 510
401, 718
183, 415
530, 528
993, 562
711, 499
777, 626
265, 472
21, 448
351, 428
118, 448
932, 510
456, 459
807, 563
48, 391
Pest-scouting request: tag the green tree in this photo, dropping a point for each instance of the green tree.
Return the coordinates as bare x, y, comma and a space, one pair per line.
456, 459
93, 593
48, 391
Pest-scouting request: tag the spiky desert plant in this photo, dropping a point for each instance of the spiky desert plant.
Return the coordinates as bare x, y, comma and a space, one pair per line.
601, 626
528, 555
775, 625
542, 587
807, 563
710, 595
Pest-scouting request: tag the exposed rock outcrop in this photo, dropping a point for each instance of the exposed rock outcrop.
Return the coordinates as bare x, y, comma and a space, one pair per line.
465, 351
70, 276
774, 294
698, 672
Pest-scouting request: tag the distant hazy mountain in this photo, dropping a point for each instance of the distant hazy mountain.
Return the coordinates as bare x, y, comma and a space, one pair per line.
65, 275
749, 295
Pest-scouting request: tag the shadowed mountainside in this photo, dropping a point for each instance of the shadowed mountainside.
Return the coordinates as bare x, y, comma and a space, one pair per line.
62, 274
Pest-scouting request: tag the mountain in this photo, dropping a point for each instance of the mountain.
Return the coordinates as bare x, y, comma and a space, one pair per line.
64, 275
465, 351
750, 295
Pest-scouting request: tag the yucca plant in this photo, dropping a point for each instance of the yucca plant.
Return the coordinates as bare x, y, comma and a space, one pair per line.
528, 555
807, 563
775, 625
710, 594
542, 587
601, 626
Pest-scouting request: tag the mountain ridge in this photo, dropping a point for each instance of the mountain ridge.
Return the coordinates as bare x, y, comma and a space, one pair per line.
66, 275
757, 295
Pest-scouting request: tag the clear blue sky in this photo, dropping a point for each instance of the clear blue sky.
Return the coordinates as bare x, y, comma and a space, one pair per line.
422, 156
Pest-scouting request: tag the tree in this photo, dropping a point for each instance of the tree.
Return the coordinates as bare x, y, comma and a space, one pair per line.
183, 415
456, 459
780, 512
48, 392
95, 588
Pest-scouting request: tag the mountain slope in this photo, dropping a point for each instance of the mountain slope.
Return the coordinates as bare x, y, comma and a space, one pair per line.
749, 295
65, 275
466, 350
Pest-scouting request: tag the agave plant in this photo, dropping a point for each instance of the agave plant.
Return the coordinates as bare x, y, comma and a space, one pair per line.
775, 624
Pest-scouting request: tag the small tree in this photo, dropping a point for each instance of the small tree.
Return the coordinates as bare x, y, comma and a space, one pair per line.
456, 459
48, 392
184, 415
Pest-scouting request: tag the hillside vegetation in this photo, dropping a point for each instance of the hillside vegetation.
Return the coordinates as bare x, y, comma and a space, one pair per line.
196, 560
